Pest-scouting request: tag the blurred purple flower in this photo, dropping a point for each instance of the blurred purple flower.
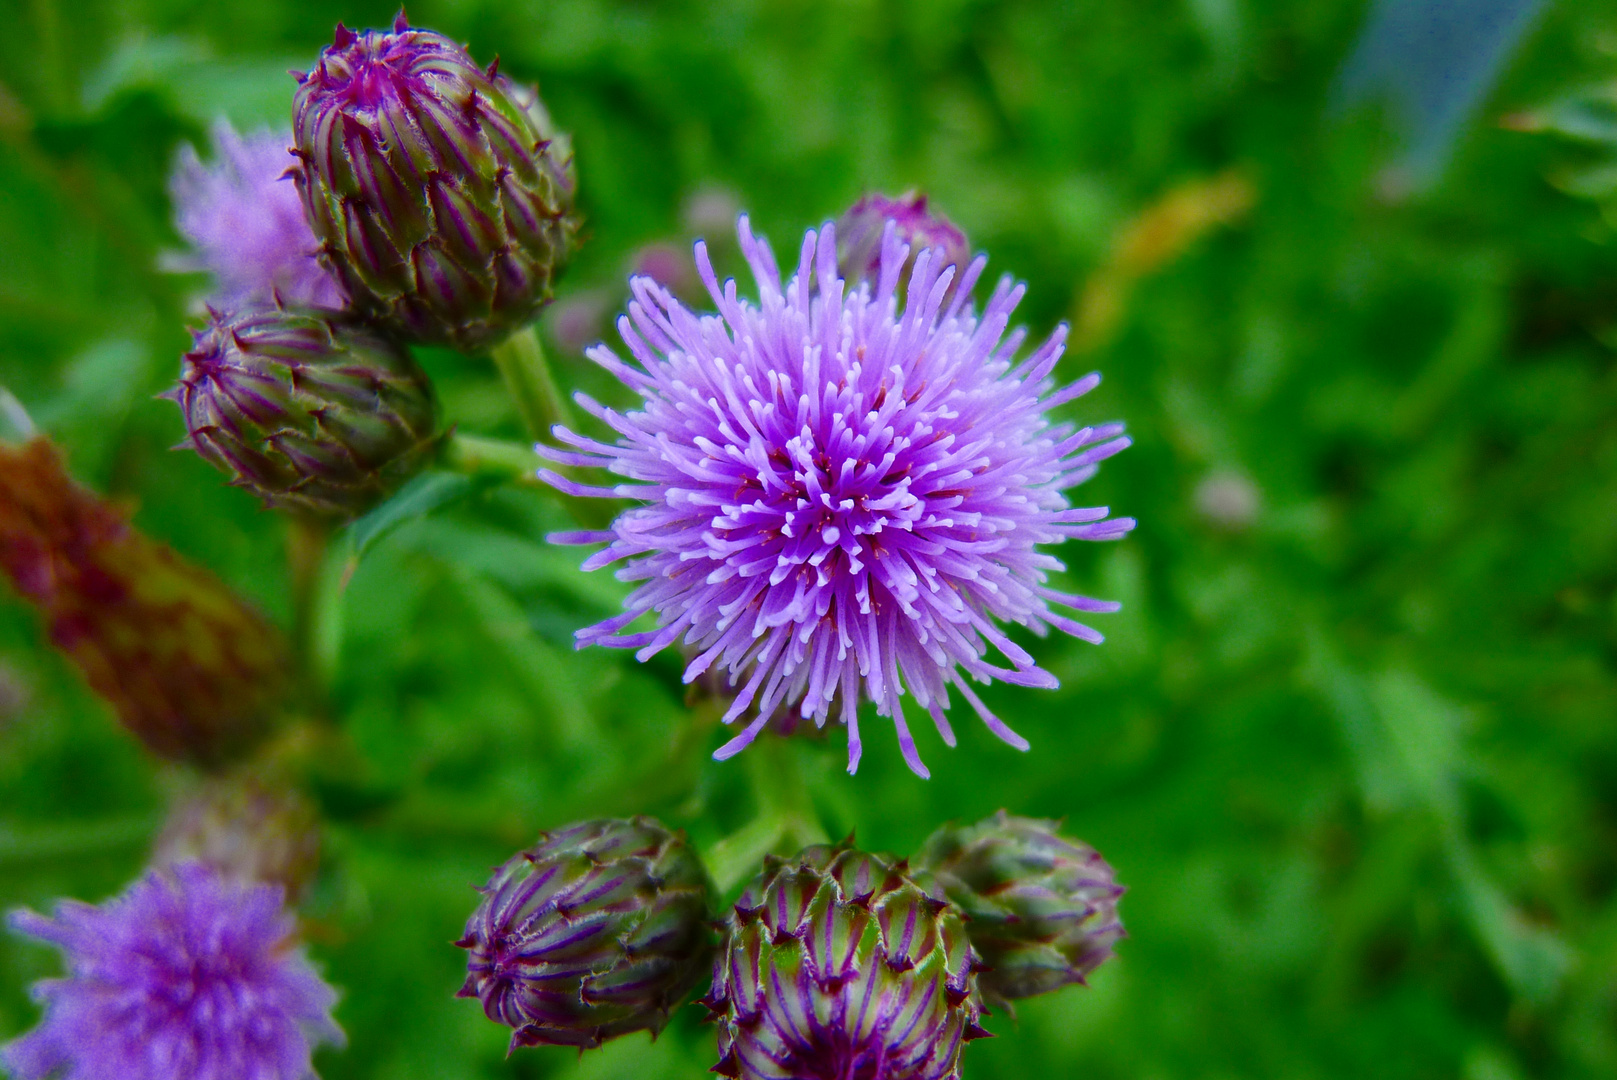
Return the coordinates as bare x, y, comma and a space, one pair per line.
187, 976
244, 221
842, 497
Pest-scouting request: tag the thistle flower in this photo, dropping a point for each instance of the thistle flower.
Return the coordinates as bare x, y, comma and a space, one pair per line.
1041, 909
841, 964
841, 497
186, 976
860, 232
247, 830
441, 192
306, 408
189, 669
244, 220
598, 930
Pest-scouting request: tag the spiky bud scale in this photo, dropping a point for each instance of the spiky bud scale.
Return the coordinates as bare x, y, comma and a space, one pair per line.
860, 231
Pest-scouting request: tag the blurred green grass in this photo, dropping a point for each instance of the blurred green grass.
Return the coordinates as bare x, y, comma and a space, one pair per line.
1354, 756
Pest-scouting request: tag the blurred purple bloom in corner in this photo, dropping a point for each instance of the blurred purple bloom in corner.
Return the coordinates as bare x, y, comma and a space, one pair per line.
842, 495
244, 220
186, 976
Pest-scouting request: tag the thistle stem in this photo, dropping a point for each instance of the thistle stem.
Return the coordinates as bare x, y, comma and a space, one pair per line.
786, 821
781, 789
517, 463
306, 540
522, 364
476, 455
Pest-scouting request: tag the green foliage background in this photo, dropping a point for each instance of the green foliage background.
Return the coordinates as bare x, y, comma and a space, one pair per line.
1356, 762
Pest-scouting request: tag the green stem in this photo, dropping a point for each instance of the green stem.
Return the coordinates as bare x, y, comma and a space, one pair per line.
786, 820
779, 786
527, 376
478, 456
517, 463
306, 540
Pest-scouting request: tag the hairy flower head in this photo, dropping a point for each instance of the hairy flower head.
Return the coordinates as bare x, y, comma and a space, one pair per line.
243, 217
842, 496
188, 975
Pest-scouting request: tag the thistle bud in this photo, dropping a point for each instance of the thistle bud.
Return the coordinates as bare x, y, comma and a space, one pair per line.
440, 191
305, 408
840, 963
598, 930
188, 668
859, 236
1041, 909
245, 829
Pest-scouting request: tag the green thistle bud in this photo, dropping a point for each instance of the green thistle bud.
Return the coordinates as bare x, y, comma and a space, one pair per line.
440, 191
600, 929
306, 408
1041, 909
840, 963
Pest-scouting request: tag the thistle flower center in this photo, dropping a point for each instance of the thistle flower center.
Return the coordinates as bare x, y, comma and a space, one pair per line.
375, 69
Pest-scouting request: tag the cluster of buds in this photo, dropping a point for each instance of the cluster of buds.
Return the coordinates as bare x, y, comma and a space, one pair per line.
834, 963
432, 203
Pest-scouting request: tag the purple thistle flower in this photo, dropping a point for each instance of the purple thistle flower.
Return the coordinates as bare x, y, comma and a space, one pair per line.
186, 976
244, 219
842, 497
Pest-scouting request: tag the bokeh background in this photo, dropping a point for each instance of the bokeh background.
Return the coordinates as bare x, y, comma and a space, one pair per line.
1351, 742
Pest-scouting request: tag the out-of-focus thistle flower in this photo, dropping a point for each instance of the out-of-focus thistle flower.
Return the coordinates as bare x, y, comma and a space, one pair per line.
860, 232
188, 668
842, 497
441, 192
600, 929
839, 964
244, 220
305, 408
246, 829
186, 976
1041, 909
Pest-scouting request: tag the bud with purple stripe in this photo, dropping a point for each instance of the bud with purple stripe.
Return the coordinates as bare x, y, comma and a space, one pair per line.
600, 929
839, 963
440, 192
306, 408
